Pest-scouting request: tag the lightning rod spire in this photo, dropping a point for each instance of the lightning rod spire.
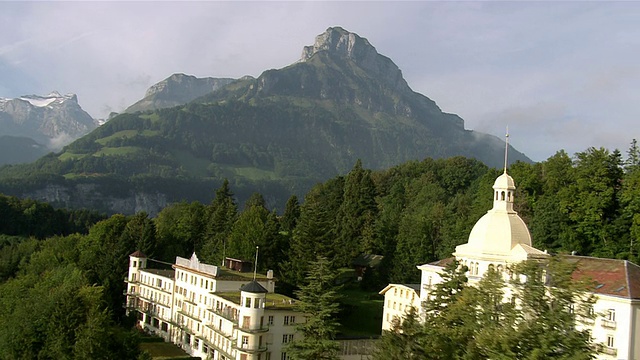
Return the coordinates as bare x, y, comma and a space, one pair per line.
506, 149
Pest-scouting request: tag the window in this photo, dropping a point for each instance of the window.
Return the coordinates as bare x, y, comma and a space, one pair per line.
245, 341
610, 342
287, 338
292, 320
286, 320
284, 356
247, 302
196, 343
611, 315
270, 320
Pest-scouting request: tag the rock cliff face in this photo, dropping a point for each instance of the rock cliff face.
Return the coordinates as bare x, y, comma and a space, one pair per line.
90, 196
53, 120
177, 89
348, 45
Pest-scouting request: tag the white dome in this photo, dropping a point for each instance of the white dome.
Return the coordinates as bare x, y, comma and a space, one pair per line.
497, 232
504, 181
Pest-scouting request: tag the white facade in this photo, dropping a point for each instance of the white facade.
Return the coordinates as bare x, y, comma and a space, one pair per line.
211, 312
398, 301
500, 239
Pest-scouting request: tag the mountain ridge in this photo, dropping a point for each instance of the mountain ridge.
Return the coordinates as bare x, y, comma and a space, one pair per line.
53, 120
277, 134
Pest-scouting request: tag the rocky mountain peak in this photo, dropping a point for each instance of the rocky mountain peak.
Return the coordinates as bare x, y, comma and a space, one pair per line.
53, 119
342, 43
176, 90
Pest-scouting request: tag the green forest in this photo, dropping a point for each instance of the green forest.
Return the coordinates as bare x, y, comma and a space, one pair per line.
62, 271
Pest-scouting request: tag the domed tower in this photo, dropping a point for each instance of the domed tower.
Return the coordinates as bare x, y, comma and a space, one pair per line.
500, 237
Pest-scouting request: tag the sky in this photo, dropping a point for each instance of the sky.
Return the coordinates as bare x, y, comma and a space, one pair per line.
558, 75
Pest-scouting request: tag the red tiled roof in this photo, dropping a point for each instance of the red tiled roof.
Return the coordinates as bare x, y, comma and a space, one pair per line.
611, 276
443, 262
138, 253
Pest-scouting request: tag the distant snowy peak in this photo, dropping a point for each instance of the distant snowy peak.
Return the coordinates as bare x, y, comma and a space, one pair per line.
52, 98
53, 119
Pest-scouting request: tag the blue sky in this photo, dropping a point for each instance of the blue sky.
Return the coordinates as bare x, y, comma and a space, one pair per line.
560, 75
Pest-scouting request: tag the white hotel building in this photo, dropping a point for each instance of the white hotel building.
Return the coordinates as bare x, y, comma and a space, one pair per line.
500, 239
211, 312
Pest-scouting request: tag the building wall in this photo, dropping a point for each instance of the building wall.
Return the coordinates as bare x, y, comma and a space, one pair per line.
398, 300
190, 311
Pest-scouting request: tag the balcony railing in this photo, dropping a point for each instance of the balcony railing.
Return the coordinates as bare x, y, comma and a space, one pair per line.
227, 314
261, 329
219, 349
188, 314
220, 332
609, 324
609, 351
251, 349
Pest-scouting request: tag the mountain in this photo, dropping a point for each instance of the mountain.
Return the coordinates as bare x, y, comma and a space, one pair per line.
177, 89
16, 150
277, 134
53, 120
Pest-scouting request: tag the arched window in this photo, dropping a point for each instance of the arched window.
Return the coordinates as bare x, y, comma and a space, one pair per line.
502, 195
496, 195
509, 196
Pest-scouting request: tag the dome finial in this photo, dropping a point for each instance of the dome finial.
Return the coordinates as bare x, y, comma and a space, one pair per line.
506, 149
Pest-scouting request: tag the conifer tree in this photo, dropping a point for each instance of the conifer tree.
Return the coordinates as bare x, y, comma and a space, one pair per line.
401, 342
223, 212
318, 300
356, 214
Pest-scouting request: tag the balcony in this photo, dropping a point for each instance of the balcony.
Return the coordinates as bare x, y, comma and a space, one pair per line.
609, 351
609, 324
261, 329
219, 349
220, 332
187, 314
227, 313
251, 349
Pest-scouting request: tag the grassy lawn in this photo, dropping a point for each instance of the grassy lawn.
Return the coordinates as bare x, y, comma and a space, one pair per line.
70, 156
127, 134
362, 314
122, 150
163, 350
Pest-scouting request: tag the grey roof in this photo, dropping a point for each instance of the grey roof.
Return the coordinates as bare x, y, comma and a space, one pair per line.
253, 287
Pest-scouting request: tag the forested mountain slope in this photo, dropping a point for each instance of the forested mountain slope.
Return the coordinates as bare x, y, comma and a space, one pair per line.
277, 134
